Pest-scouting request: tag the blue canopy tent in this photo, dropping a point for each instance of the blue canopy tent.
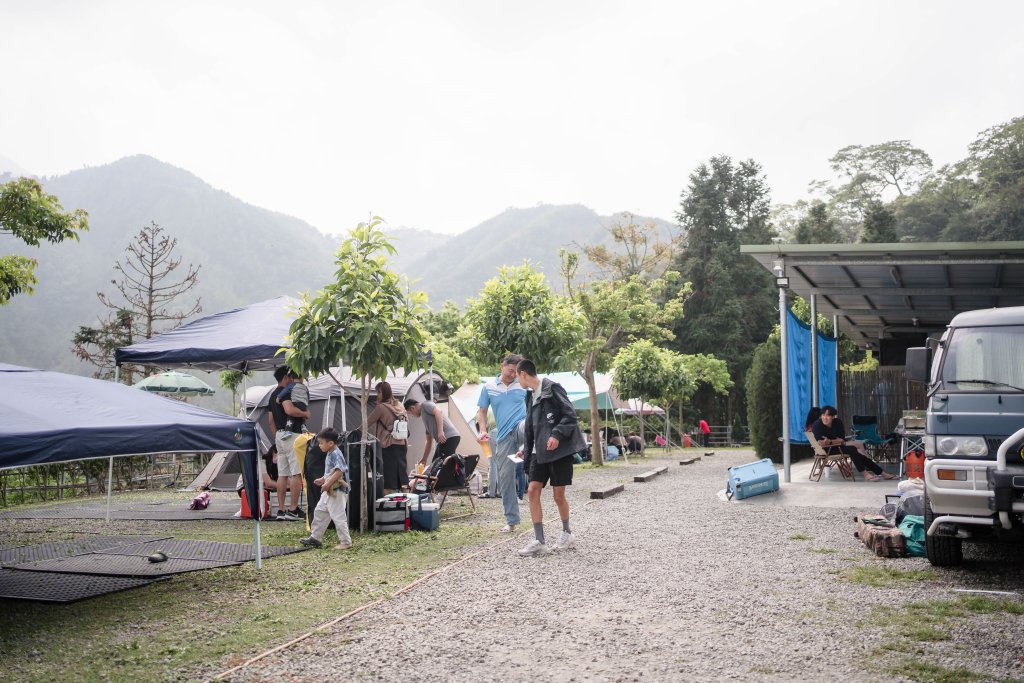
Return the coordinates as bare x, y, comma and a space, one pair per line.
245, 339
51, 417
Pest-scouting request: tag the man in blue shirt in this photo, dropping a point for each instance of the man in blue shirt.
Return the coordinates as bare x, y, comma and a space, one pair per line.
507, 399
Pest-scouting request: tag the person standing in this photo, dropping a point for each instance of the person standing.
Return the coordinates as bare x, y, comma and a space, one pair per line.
439, 428
507, 398
333, 505
705, 432
277, 418
294, 402
393, 450
552, 437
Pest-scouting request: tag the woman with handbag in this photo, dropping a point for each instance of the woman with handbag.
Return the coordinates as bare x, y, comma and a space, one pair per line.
389, 423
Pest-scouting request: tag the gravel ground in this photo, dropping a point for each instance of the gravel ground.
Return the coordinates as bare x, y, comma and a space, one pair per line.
666, 582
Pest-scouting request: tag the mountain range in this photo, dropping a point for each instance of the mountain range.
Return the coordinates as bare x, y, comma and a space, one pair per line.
246, 253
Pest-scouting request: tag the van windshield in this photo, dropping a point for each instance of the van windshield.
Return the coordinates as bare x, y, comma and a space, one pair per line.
984, 359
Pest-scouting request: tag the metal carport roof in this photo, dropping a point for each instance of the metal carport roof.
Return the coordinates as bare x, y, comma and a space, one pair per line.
881, 290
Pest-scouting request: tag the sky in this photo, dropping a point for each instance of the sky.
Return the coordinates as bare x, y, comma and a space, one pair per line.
439, 115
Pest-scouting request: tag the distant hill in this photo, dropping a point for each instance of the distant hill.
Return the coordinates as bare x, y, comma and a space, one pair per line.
246, 253
458, 269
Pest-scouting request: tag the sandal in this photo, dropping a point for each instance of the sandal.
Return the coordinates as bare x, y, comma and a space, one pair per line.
889, 475
872, 477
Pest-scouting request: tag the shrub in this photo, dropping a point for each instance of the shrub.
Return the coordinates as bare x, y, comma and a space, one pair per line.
764, 410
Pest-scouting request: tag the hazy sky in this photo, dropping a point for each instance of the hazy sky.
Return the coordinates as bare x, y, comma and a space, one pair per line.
439, 115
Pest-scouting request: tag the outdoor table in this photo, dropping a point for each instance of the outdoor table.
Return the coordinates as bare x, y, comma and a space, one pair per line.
910, 440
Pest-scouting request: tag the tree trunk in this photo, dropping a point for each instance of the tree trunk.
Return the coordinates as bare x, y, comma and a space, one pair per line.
596, 456
368, 486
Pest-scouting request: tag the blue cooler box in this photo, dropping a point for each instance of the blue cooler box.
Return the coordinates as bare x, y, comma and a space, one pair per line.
424, 515
753, 479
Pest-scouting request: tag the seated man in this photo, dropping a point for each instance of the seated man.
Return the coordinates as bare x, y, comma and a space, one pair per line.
635, 443
828, 430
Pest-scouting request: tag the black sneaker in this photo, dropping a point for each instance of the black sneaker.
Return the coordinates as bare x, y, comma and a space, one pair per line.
282, 516
311, 542
295, 514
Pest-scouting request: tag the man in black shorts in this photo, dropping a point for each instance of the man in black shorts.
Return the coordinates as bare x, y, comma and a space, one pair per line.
552, 437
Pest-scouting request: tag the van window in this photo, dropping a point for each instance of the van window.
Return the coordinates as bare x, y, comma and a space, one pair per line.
984, 359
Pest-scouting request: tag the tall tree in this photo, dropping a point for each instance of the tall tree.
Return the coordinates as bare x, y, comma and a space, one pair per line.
732, 307
627, 303
33, 216
231, 380
518, 312
366, 317
643, 371
879, 224
817, 226
148, 289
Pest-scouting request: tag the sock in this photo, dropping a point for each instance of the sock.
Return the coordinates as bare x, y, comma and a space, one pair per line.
538, 531
565, 525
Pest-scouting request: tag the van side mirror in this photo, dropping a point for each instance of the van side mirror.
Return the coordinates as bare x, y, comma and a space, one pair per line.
919, 364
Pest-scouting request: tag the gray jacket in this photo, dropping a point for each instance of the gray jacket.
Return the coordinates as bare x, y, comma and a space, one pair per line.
548, 414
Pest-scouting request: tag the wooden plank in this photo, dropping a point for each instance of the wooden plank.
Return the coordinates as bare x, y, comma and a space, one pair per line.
647, 476
608, 492
690, 461
708, 454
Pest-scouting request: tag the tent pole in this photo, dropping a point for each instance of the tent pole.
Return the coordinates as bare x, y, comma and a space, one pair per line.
110, 484
259, 549
117, 373
815, 391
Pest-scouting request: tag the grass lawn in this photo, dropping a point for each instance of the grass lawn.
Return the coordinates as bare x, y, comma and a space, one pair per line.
200, 623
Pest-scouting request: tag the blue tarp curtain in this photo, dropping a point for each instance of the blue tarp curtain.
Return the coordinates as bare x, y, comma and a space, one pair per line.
51, 417
798, 354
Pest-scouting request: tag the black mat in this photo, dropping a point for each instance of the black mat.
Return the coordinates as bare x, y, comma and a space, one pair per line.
208, 551
63, 588
51, 551
172, 511
122, 565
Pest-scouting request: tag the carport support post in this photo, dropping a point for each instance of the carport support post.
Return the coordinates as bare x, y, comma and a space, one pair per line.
784, 362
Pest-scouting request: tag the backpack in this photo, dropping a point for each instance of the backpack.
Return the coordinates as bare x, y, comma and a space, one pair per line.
400, 428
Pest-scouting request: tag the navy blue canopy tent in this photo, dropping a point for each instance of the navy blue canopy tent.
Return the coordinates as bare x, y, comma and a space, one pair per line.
51, 417
244, 339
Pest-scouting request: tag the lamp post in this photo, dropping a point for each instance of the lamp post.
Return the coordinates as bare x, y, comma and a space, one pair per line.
782, 282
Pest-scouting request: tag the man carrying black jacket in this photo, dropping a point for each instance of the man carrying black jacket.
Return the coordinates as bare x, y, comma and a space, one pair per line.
552, 437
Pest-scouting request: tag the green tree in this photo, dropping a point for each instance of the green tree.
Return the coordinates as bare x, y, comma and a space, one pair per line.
628, 303
455, 367
231, 380
817, 226
733, 305
366, 318
879, 224
147, 290
689, 372
518, 312
444, 323
33, 216
764, 407
643, 371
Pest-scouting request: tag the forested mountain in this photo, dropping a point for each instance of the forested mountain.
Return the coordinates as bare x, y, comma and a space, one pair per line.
458, 269
245, 253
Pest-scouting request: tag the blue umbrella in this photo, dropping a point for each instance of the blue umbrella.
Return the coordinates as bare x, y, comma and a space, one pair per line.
174, 382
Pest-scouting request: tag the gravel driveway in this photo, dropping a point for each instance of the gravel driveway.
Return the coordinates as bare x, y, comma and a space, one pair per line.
668, 582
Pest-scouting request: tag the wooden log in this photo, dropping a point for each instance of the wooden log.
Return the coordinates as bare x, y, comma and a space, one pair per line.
608, 492
690, 461
647, 476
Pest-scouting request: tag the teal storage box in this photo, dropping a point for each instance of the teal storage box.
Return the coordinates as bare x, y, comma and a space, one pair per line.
425, 516
752, 479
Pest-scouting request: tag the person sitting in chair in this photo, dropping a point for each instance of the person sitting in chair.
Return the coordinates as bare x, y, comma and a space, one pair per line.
828, 430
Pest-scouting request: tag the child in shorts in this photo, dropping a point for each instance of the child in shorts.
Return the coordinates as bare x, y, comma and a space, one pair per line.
333, 504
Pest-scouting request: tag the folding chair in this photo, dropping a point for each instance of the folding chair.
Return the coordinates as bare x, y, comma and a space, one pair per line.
865, 427
827, 457
445, 480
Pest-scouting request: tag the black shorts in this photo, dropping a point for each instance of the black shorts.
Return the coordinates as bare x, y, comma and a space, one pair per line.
559, 472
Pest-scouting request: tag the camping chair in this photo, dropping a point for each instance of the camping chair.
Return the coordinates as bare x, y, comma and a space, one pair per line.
445, 480
827, 457
865, 427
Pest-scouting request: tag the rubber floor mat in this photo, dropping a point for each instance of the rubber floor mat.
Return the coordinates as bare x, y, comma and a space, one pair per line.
60, 549
187, 549
122, 565
63, 588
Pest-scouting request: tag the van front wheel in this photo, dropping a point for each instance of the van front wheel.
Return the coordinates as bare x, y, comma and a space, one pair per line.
943, 551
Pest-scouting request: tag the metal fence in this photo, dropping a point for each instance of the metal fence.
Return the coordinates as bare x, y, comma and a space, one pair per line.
884, 393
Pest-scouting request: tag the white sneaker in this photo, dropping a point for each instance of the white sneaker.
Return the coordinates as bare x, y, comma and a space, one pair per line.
565, 540
533, 548
508, 529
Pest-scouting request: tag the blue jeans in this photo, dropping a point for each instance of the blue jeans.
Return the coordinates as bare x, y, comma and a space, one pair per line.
521, 482
506, 476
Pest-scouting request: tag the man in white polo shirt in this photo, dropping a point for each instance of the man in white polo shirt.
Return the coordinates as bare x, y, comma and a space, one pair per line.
507, 399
